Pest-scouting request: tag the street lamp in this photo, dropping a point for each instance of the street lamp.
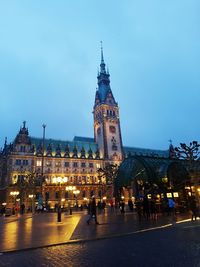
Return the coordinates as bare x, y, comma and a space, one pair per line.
59, 180
70, 189
31, 198
14, 194
76, 192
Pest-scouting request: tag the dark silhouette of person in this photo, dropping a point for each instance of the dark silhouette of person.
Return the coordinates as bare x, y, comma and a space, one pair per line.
145, 204
153, 209
138, 205
122, 206
22, 208
130, 204
92, 211
193, 208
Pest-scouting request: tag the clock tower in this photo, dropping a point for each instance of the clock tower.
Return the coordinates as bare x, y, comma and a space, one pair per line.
107, 132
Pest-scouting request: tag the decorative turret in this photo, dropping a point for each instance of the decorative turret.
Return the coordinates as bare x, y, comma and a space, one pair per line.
67, 152
107, 131
97, 154
83, 153
90, 154
22, 142
58, 151
49, 151
23, 136
39, 150
75, 152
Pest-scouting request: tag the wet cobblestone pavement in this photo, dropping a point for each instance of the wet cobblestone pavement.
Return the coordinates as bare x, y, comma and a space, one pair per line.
119, 240
174, 246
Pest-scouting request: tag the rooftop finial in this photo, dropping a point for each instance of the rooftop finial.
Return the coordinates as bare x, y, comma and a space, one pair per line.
102, 59
102, 65
24, 124
5, 143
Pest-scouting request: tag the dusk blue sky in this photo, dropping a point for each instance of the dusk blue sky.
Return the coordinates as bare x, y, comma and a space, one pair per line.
50, 52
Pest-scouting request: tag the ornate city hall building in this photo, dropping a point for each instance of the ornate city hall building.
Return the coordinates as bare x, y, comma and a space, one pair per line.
47, 171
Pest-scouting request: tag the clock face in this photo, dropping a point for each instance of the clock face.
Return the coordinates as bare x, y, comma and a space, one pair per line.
112, 129
99, 131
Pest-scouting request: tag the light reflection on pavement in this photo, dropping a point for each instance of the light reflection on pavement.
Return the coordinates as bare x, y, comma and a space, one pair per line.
40, 230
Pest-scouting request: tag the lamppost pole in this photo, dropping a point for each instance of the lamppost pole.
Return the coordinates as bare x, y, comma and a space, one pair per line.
70, 189
42, 172
43, 139
76, 192
32, 206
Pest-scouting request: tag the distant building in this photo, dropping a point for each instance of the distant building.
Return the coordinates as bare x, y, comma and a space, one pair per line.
58, 164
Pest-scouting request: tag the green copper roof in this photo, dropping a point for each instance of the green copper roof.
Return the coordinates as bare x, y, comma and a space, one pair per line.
78, 144
146, 152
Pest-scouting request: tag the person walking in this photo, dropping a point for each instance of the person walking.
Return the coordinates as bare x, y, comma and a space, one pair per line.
92, 211
172, 206
145, 204
193, 208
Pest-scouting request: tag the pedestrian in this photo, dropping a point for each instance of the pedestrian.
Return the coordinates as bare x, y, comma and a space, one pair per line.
138, 205
153, 209
130, 204
122, 206
111, 205
92, 211
171, 205
22, 208
145, 205
193, 208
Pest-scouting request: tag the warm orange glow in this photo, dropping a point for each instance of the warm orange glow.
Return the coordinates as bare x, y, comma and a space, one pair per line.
70, 188
169, 195
14, 193
175, 194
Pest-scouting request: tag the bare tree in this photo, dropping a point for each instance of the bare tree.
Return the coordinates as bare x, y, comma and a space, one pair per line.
107, 176
188, 152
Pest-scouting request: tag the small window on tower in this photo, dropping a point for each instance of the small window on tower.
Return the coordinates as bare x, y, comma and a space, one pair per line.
112, 129
99, 131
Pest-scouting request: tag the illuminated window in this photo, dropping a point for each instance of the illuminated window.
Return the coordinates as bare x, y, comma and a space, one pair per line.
38, 163
58, 164
48, 163
98, 166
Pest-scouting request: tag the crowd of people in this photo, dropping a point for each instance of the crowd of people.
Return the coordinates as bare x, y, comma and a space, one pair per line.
146, 208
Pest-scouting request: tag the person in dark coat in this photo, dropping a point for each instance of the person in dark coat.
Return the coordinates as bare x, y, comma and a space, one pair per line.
92, 211
138, 205
145, 204
130, 204
193, 208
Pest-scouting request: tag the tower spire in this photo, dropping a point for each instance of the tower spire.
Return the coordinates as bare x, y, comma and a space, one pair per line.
102, 65
102, 59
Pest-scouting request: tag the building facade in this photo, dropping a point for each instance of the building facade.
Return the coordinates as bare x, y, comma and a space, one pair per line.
52, 171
